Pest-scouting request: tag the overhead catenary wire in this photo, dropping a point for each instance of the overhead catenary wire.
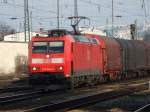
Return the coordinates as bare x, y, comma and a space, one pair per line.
52, 14
50, 11
31, 7
144, 7
98, 5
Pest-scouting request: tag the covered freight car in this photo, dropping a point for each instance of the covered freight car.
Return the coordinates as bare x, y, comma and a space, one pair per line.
147, 45
134, 57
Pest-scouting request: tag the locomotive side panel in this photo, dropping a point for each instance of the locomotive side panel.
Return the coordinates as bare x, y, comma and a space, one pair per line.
85, 59
96, 61
101, 53
81, 58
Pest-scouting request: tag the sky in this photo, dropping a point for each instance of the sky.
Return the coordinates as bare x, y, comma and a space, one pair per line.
44, 12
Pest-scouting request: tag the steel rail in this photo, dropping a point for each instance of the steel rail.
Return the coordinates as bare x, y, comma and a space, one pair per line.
20, 97
141, 109
17, 88
27, 96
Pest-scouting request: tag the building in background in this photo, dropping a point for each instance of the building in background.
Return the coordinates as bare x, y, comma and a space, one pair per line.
92, 30
122, 32
20, 37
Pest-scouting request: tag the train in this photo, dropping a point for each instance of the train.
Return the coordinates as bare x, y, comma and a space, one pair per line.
77, 59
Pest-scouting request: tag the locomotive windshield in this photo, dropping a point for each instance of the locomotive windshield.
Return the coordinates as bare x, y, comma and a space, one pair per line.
39, 47
45, 47
56, 47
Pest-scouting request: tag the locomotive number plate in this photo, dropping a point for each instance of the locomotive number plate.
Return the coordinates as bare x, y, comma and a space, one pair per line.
47, 69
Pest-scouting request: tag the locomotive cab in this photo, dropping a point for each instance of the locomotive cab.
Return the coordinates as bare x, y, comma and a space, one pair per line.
47, 63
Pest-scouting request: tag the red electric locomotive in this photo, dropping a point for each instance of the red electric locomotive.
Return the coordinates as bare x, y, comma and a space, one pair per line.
63, 58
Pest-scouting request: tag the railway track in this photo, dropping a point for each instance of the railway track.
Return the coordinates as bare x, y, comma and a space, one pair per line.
85, 100
27, 96
145, 108
16, 88
55, 100
19, 97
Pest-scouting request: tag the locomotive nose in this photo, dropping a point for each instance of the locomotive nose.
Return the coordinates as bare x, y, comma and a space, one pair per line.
48, 64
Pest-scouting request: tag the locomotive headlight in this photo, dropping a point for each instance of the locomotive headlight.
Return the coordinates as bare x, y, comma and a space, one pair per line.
60, 68
34, 68
47, 56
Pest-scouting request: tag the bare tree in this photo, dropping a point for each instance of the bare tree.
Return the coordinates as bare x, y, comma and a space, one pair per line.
5, 30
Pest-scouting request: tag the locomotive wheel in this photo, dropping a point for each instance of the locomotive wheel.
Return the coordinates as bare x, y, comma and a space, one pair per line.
31, 81
107, 78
